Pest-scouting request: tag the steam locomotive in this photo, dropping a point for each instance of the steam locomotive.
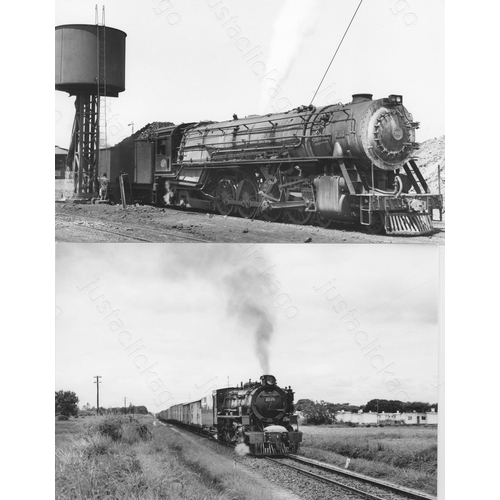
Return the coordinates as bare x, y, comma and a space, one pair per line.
343, 162
258, 414
349, 163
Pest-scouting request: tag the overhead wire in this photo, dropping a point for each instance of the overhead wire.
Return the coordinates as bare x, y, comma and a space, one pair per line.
338, 47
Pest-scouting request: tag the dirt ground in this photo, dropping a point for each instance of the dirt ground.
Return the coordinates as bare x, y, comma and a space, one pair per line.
113, 223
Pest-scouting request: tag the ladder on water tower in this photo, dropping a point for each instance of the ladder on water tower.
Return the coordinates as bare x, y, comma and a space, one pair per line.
101, 91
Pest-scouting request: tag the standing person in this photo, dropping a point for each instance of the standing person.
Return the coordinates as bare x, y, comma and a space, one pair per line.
103, 190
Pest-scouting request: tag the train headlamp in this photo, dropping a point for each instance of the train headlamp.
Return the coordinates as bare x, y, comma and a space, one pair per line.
270, 380
396, 99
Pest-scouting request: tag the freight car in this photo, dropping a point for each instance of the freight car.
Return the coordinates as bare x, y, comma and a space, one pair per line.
258, 414
350, 163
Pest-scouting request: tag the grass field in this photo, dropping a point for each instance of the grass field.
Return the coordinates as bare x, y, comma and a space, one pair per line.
102, 458
405, 455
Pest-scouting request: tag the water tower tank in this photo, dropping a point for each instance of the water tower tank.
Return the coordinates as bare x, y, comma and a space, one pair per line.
80, 50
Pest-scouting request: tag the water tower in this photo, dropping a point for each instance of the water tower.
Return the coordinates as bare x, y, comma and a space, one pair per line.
90, 64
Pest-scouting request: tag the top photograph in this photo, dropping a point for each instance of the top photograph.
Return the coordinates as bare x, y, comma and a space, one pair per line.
250, 122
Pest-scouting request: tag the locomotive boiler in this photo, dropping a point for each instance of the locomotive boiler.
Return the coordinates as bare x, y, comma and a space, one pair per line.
349, 163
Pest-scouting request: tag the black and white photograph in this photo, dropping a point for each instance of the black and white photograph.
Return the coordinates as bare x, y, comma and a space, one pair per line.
248, 250
272, 122
235, 371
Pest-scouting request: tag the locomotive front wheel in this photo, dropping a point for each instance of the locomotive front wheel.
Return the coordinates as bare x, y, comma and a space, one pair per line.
377, 226
224, 193
248, 193
323, 221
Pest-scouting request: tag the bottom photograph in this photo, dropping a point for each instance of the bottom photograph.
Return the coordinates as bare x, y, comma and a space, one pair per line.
247, 371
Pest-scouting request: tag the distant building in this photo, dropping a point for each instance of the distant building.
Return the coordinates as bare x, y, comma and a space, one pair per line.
357, 417
432, 417
61, 155
414, 417
409, 418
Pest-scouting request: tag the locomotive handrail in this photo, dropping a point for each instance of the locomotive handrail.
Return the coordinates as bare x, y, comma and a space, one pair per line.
223, 164
267, 130
281, 138
231, 124
276, 116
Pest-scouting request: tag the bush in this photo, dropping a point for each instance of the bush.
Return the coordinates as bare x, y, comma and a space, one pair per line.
119, 428
111, 428
62, 417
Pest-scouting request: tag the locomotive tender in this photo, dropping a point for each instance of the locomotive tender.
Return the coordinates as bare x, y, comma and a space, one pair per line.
258, 414
349, 163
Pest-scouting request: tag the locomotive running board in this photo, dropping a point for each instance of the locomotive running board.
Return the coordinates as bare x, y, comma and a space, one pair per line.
408, 224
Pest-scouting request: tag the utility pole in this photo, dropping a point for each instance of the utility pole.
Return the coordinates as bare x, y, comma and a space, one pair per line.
97, 382
125, 404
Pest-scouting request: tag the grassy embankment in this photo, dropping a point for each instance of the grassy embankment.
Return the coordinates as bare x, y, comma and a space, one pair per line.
107, 458
402, 455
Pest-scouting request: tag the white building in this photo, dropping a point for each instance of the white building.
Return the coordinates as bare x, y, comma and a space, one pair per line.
432, 417
357, 418
414, 417
410, 418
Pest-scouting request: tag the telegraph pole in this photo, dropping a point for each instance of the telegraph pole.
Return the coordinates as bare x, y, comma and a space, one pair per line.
125, 404
97, 382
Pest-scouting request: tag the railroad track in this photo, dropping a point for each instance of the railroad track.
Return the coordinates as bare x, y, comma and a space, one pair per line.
358, 484
96, 224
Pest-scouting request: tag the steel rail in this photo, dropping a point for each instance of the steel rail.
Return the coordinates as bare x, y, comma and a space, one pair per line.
326, 480
91, 228
402, 490
163, 232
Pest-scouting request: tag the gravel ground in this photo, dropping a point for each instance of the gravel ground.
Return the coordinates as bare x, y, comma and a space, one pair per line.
348, 481
297, 485
111, 223
232, 460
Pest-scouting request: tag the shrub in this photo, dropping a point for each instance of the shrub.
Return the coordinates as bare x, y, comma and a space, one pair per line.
119, 428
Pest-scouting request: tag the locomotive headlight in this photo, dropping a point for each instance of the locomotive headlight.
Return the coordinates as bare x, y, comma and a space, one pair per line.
396, 99
270, 380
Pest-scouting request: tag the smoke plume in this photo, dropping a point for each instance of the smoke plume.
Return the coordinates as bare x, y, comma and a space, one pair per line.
294, 24
238, 285
247, 303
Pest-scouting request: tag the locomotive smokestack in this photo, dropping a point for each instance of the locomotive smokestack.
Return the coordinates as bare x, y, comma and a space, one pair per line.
361, 97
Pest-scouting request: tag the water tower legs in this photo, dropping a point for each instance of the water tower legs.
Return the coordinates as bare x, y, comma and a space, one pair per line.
83, 154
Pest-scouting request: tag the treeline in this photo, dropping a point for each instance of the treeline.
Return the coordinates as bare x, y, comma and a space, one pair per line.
323, 412
114, 410
129, 409
67, 405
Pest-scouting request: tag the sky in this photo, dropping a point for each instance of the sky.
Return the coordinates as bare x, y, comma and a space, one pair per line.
195, 60
165, 324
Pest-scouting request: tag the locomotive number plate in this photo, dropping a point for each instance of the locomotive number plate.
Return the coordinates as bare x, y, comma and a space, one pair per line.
269, 399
